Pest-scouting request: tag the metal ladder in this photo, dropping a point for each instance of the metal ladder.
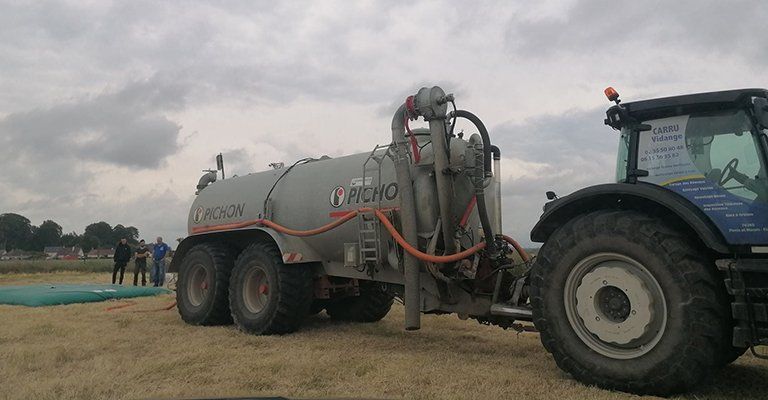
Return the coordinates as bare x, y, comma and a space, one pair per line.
369, 226
370, 240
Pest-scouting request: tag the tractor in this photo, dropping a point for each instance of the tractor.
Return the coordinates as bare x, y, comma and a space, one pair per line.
650, 284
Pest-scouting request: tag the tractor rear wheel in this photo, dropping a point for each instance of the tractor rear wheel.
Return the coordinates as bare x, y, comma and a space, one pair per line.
373, 304
202, 288
267, 296
625, 302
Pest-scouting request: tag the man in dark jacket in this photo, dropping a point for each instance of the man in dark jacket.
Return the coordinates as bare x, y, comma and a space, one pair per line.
142, 252
122, 256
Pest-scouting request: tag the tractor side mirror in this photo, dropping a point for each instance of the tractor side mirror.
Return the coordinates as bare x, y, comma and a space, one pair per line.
760, 106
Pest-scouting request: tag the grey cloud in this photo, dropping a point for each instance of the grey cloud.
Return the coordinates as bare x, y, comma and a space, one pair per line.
53, 152
557, 138
610, 29
572, 150
126, 128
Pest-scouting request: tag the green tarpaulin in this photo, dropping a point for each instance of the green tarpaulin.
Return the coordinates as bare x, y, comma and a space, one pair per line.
49, 295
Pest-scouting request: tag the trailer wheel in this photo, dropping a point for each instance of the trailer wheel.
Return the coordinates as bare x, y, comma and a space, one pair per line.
202, 287
622, 301
373, 304
267, 296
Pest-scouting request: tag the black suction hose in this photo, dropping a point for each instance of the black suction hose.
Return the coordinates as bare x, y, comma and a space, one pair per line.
483, 133
482, 211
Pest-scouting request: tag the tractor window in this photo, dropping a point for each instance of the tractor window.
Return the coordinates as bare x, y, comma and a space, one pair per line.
723, 148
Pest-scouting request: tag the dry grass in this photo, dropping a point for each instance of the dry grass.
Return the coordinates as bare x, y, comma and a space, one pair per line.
82, 351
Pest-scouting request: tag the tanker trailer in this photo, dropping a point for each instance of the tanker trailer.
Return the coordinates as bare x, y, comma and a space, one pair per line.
417, 219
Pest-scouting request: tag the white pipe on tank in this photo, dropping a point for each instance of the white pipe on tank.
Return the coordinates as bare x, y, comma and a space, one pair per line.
497, 195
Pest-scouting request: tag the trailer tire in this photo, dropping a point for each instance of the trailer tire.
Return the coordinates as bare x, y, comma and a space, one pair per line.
675, 314
202, 287
266, 296
373, 304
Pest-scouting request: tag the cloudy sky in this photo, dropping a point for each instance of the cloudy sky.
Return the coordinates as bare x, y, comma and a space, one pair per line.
109, 111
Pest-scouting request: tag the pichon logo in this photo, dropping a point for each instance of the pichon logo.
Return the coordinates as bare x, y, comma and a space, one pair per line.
337, 196
224, 211
198, 214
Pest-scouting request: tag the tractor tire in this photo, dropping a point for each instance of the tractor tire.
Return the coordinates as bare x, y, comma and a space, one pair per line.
266, 296
371, 305
203, 285
607, 269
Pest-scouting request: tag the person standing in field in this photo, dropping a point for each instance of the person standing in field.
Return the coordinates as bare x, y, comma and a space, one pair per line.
158, 257
121, 257
142, 252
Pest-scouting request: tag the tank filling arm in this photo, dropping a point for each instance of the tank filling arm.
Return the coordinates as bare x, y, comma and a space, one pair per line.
401, 159
432, 104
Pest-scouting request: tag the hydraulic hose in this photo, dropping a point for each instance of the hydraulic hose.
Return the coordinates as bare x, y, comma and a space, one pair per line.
520, 250
387, 224
483, 134
482, 210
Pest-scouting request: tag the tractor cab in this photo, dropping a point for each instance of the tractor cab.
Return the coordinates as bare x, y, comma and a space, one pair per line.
709, 148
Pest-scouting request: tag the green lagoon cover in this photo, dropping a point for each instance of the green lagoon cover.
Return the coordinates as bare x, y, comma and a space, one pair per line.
54, 294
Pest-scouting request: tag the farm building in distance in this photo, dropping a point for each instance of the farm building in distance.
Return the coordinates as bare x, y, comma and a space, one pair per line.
63, 253
16, 255
101, 253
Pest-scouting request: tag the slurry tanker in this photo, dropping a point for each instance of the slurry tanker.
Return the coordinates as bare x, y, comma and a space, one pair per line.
645, 285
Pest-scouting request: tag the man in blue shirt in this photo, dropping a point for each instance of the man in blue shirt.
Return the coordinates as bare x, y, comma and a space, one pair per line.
158, 256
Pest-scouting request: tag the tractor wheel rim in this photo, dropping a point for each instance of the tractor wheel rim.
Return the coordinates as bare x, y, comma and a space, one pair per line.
256, 290
197, 290
615, 305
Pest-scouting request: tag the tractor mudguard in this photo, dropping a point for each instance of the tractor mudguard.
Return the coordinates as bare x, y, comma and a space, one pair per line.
639, 196
293, 249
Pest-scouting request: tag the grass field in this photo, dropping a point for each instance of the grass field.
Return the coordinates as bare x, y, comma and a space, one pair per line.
41, 266
84, 351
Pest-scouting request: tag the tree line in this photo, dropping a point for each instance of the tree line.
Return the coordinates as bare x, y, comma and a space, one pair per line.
17, 232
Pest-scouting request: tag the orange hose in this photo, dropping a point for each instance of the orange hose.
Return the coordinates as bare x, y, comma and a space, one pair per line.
236, 225
166, 308
468, 212
117, 307
311, 232
424, 256
520, 250
384, 220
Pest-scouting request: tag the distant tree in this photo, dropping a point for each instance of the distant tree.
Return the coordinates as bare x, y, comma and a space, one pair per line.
130, 233
47, 234
15, 231
102, 232
71, 239
88, 243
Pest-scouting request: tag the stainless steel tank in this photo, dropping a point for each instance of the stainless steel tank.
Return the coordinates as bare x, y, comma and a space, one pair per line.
317, 192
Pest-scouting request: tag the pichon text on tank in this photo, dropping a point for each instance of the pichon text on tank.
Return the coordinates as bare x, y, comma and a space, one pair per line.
359, 194
219, 212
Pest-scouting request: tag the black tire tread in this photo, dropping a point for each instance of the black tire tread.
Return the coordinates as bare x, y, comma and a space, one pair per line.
294, 291
706, 300
219, 313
